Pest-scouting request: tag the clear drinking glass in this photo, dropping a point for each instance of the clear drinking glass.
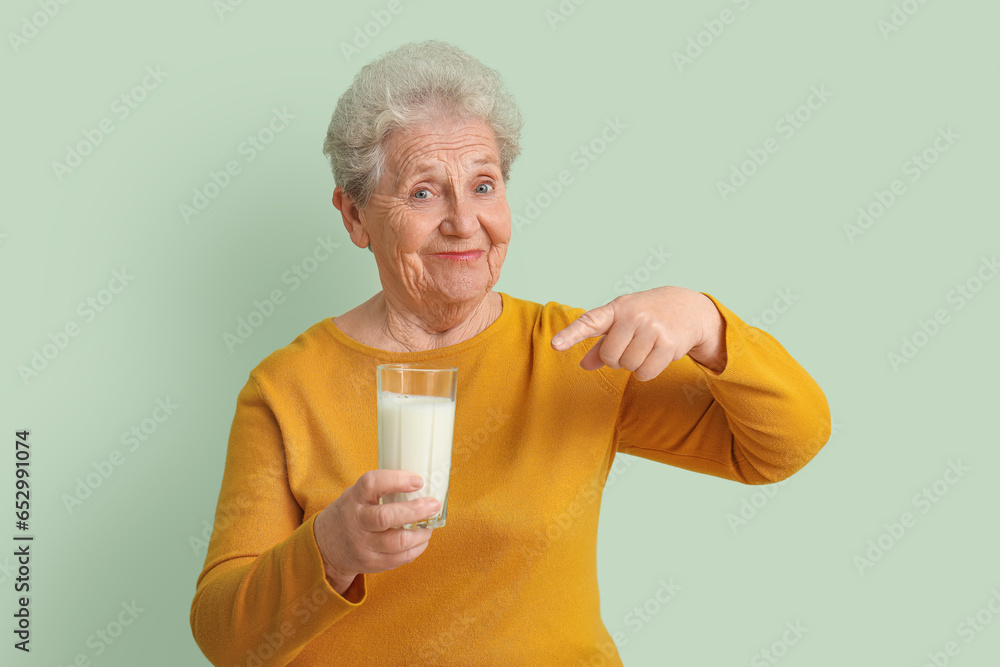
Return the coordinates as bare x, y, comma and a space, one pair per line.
416, 424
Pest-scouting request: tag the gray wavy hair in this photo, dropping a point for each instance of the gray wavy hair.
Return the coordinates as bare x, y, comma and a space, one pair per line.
412, 84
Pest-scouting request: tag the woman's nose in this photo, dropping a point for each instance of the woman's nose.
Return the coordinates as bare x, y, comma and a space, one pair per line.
460, 217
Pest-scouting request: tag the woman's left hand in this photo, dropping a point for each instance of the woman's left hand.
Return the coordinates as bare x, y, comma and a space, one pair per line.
644, 331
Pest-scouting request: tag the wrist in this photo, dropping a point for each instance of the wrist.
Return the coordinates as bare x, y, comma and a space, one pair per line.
338, 580
334, 576
711, 351
340, 584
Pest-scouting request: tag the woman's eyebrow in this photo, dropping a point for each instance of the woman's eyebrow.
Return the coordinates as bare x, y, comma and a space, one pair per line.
484, 160
420, 167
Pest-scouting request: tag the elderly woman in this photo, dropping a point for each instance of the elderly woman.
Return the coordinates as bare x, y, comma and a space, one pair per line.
306, 567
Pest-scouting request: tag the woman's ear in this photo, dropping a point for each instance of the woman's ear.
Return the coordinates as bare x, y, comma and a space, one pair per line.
352, 217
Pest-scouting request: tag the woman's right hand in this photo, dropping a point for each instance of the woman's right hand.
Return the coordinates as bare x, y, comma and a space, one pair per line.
356, 534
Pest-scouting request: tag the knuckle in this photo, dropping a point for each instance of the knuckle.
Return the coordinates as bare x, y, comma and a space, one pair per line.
598, 316
375, 517
662, 327
386, 518
381, 545
401, 541
367, 481
362, 518
393, 542
643, 318
630, 362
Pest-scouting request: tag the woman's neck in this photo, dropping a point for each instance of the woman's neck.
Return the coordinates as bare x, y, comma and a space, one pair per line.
385, 323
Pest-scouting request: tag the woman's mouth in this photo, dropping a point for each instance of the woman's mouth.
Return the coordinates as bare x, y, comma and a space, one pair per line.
459, 256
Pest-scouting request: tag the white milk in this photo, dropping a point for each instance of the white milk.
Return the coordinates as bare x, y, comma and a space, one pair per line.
415, 434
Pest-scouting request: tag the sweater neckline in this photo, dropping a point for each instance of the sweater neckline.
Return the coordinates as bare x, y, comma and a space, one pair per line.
506, 313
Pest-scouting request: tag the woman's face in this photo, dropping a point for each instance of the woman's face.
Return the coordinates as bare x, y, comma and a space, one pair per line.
438, 221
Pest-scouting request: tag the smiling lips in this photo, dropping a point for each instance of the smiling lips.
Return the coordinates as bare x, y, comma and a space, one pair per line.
464, 255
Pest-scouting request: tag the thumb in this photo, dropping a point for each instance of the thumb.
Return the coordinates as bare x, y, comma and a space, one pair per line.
592, 323
592, 360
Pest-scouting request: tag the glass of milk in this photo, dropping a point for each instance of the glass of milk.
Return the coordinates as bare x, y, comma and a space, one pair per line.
416, 422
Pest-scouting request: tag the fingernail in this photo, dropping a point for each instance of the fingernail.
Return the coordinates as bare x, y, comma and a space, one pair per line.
416, 482
557, 341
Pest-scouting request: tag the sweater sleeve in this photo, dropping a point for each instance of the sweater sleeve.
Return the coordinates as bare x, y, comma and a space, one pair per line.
263, 591
759, 421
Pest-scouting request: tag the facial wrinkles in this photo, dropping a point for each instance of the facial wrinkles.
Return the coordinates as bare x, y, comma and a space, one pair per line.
403, 228
419, 147
453, 158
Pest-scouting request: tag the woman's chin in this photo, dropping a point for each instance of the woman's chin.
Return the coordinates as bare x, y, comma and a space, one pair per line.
462, 288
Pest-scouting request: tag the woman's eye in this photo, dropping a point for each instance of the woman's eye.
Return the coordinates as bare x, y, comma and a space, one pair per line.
479, 188
422, 194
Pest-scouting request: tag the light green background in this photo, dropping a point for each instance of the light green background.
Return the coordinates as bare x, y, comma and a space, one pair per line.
654, 186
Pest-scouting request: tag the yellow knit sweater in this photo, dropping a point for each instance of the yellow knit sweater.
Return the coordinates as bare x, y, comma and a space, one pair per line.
512, 578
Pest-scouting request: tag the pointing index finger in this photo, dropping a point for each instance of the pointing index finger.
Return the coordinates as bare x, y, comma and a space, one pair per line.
592, 323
